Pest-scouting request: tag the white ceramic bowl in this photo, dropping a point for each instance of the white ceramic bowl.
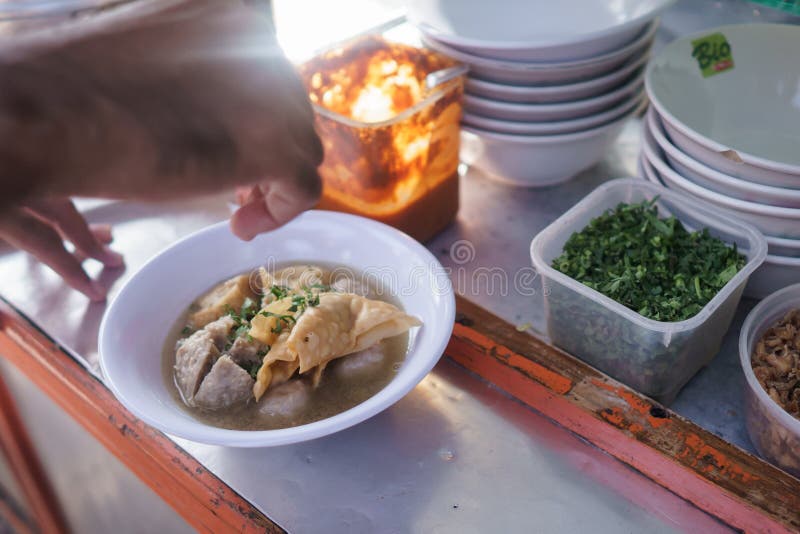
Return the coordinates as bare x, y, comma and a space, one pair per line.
538, 161
777, 246
781, 246
775, 273
553, 127
549, 94
781, 267
537, 30
548, 73
771, 220
136, 324
716, 181
551, 112
750, 109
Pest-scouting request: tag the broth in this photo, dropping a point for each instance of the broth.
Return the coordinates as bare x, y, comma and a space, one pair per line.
346, 381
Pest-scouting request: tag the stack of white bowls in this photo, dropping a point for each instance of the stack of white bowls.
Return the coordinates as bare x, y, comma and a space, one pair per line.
732, 138
551, 84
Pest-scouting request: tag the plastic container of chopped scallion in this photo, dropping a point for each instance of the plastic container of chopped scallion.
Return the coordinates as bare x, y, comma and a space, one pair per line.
655, 357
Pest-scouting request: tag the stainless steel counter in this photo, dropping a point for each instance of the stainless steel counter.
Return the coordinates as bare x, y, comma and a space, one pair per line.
455, 454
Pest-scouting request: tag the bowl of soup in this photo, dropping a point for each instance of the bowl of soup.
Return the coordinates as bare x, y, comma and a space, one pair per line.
297, 334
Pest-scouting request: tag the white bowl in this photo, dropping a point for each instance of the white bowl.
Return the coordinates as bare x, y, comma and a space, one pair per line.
538, 161
775, 273
553, 127
781, 267
781, 246
137, 322
715, 180
538, 30
548, 94
551, 112
777, 246
548, 73
771, 220
750, 109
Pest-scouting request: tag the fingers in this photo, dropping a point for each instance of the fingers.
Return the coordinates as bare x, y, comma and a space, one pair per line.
28, 232
276, 203
242, 194
245, 194
102, 232
63, 215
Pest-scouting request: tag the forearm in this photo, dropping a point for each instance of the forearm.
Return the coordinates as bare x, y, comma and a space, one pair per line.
138, 106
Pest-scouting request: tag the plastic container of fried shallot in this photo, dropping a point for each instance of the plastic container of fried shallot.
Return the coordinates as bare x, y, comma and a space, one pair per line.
774, 432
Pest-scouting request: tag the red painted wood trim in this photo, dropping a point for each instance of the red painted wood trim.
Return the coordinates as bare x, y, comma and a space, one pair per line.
202, 499
738, 488
24, 463
13, 517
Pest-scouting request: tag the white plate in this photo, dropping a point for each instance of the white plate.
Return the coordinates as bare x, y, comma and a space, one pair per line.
552, 127
534, 30
136, 324
715, 180
551, 112
538, 161
771, 220
549, 94
751, 109
548, 73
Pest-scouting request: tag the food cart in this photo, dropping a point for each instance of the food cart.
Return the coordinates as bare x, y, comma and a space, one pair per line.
508, 432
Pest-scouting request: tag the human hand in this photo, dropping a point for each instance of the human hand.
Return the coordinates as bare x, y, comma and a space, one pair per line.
42, 226
162, 100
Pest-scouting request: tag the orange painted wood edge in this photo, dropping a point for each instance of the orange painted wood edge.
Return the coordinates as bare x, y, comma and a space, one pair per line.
14, 517
202, 499
23, 460
738, 488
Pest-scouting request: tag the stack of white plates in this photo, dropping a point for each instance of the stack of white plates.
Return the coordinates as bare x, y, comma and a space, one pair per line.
551, 83
732, 138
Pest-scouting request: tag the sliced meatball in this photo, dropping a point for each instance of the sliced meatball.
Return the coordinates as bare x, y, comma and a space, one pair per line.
367, 361
246, 353
193, 360
220, 329
285, 400
197, 353
224, 386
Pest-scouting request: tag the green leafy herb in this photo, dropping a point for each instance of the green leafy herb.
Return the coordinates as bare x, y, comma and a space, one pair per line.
251, 368
249, 309
187, 331
282, 321
301, 302
242, 318
321, 288
651, 265
279, 291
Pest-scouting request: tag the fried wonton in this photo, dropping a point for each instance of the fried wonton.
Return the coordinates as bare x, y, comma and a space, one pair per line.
306, 340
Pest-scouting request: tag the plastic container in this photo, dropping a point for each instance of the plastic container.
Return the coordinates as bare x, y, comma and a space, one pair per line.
654, 357
391, 146
773, 431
